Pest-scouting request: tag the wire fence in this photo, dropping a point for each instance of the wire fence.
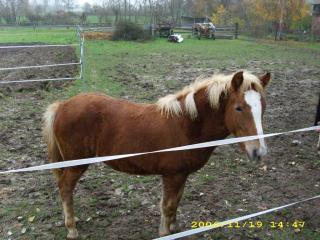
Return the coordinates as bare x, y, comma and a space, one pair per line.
80, 63
270, 33
37, 80
39, 66
38, 46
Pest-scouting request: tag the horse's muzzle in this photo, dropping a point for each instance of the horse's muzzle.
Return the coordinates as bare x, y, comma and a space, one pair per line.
255, 154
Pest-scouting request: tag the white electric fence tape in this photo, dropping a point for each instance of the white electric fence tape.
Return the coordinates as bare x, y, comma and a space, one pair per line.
227, 222
85, 161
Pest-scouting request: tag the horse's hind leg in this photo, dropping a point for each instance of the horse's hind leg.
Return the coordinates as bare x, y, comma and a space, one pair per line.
172, 190
67, 182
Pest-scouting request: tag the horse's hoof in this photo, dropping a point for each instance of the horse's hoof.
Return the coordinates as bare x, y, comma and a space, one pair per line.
163, 233
71, 238
72, 235
174, 228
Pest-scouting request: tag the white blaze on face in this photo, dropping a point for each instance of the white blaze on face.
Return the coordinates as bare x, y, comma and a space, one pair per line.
253, 99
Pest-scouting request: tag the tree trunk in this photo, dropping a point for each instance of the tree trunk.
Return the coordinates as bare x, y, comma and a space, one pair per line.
125, 9
280, 30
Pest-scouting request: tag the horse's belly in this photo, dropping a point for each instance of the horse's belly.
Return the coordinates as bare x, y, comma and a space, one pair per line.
126, 167
162, 163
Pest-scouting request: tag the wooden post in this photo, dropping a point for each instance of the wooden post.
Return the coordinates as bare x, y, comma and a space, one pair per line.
236, 33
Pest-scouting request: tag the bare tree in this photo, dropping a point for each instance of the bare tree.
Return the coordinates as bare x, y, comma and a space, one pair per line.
33, 14
11, 10
22, 8
57, 5
115, 7
45, 5
68, 5
87, 8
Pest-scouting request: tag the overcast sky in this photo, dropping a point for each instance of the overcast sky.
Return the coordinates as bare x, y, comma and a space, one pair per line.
77, 2
81, 2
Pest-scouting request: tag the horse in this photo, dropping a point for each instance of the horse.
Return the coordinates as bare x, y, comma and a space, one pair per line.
93, 124
204, 30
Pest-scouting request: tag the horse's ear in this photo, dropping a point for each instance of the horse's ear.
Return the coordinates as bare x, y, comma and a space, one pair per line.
237, 80
265, 79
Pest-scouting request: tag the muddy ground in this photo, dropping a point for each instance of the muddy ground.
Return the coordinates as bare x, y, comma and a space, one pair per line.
112, 205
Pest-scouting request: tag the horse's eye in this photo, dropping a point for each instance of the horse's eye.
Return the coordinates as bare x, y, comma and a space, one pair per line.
238, 108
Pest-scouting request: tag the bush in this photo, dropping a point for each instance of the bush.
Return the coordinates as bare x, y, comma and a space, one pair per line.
129, 31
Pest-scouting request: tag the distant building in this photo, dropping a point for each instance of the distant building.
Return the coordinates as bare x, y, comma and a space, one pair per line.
188, 21
315, 17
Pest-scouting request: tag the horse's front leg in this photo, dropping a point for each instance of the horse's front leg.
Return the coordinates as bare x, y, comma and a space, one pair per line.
172, 190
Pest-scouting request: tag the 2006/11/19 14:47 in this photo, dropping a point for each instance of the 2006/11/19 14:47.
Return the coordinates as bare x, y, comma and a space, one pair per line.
253, 224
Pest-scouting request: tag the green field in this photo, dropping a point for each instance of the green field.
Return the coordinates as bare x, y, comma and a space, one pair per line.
143, 72
102, 55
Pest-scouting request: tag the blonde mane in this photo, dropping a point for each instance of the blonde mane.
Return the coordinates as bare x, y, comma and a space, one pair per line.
215, 86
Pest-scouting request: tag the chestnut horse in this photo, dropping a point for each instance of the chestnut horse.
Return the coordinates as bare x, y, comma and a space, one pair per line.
204, 29
90, 125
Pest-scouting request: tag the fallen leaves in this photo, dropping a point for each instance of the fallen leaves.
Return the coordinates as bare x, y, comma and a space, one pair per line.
31, 219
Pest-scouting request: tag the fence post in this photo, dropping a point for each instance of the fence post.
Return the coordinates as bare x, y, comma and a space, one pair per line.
82, 61
82, 68
78, 29
236, 33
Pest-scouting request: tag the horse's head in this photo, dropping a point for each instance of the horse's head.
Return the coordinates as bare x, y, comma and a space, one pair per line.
244, 111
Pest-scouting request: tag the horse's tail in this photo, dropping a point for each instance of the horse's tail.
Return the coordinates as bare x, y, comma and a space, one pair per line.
49, 136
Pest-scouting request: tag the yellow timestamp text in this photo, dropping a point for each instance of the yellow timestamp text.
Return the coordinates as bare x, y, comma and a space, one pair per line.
250, 224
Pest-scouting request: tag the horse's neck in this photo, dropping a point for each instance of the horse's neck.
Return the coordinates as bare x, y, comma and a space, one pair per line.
210, 122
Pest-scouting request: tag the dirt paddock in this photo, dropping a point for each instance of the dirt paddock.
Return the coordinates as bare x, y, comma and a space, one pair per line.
112, 205
97, 35
19, 57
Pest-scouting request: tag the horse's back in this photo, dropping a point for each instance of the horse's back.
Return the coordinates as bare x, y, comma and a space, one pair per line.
83, 120
98, 125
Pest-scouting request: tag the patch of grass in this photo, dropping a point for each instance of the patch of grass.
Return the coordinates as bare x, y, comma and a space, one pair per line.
205, 178
60, 56
135, 203
9, 211
115, 213
141, 179
106, 61
39, 35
